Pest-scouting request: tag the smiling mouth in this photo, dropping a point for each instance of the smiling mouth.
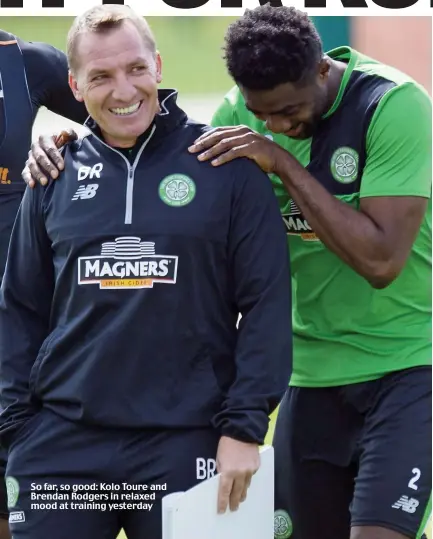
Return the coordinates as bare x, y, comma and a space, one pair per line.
126, 111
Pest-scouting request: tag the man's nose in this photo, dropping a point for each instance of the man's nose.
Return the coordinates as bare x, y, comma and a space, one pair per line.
124, 91
278, 125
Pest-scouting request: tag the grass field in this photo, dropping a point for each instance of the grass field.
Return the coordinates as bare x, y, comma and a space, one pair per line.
190, 68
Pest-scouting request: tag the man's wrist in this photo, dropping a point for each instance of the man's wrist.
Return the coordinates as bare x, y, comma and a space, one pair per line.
285, 164
236, 439
240, 436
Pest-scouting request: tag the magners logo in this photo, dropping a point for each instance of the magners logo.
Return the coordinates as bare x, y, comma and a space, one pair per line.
297, 225
127, 262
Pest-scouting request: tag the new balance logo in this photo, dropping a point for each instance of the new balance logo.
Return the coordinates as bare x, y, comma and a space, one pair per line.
86, 191
406, 504
17, 516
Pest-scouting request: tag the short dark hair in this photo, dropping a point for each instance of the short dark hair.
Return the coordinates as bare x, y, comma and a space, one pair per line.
103, 19
269, 46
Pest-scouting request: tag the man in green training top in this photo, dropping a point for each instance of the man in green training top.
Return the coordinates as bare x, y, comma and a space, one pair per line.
347, 144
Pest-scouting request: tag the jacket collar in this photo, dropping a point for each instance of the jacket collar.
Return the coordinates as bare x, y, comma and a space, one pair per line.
6, 36
170, 117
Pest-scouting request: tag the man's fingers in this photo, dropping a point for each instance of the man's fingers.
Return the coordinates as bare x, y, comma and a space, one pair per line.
207, 142
45, 158
211, 138
35, 172
236, 462
215, 132
233, 490
210, 133
39, 155
26, 176
224, 491
246, 487
47, 155
56, 158
234, 153
222, 146
237, 491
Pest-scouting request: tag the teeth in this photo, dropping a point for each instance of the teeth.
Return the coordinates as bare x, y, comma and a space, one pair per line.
128, 110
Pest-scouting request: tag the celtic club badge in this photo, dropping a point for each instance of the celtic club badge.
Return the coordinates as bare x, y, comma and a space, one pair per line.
345, 164
13, 491
177, 190
283, 526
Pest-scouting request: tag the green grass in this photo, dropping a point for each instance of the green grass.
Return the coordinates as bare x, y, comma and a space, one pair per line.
269, 436
191, 47
188, 67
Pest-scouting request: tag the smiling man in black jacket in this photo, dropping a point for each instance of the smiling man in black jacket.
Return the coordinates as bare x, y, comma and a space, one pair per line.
121, 359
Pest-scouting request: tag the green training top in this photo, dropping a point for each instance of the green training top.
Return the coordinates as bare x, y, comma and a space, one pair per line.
376, 140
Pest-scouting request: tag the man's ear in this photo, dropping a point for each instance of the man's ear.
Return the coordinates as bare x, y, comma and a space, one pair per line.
158, 68
324, 69
74, 87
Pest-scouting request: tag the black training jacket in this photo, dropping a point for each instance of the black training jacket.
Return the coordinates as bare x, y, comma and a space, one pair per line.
123, 286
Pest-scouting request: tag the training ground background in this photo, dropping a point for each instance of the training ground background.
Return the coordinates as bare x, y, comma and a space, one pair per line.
191, 48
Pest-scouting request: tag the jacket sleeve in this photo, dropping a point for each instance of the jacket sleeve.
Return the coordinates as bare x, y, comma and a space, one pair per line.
47, 74
25, 303
259, 264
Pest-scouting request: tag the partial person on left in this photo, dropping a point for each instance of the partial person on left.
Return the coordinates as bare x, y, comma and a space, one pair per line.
33, 75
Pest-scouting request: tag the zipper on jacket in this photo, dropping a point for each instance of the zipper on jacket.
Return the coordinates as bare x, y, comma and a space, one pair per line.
129, 194
131, 172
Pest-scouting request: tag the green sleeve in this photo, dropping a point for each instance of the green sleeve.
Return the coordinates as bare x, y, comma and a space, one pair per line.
232, 111
399, 145
225, 114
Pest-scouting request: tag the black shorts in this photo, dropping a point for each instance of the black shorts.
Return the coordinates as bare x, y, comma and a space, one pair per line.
90, 482
357, 455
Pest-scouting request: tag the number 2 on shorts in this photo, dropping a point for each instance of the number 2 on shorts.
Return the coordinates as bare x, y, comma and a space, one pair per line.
412, 483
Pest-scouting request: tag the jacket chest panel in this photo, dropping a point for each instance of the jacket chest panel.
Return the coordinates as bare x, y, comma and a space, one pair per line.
154, 200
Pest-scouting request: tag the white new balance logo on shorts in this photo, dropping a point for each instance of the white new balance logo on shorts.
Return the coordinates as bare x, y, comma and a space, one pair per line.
406, 504
86, 191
